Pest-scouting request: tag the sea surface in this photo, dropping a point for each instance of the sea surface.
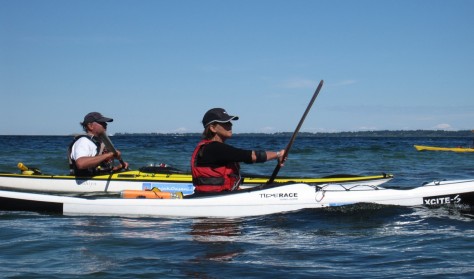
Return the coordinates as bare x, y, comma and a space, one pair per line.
359, 241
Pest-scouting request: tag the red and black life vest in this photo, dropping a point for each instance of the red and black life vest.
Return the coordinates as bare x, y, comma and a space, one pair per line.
104, 167
214, 179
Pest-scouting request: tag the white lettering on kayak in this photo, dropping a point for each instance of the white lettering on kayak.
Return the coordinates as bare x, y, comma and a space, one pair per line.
279, 196
442, 200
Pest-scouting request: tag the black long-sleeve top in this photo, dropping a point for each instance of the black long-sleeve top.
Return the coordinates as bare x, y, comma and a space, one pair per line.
218, 154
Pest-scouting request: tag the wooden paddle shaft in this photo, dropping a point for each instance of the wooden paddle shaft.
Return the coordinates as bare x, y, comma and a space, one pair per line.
288, 147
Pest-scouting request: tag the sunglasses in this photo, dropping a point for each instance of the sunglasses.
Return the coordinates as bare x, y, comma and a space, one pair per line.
103, 124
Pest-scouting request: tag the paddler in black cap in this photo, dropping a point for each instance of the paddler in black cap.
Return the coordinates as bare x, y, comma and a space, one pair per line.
215, 164
87, 153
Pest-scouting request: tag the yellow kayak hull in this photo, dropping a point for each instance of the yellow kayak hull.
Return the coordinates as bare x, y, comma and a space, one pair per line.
436, 148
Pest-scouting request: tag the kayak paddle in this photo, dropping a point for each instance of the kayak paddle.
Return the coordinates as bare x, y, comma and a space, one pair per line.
287, 149
108, 143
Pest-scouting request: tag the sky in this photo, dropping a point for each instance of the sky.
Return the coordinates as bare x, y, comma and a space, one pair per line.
158, 66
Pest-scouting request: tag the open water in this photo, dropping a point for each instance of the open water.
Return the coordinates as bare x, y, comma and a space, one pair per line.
361, 241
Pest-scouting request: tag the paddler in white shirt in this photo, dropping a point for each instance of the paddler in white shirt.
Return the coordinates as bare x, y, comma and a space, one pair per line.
87, 153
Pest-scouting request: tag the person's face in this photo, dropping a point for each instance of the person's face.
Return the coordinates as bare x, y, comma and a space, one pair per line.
103, 124
97, 128
222, 130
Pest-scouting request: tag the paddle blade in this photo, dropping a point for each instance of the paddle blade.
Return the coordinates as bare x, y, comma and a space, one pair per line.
110, 146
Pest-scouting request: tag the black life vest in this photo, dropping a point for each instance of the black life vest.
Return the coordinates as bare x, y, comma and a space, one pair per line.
217, 179
104, 167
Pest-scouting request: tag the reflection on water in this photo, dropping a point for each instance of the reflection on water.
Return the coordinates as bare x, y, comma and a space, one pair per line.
218, 235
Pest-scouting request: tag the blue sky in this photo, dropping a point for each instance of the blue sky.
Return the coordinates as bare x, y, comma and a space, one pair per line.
158, 66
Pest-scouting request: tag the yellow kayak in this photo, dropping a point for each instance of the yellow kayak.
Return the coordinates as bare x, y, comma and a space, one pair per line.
435, 148
167, 179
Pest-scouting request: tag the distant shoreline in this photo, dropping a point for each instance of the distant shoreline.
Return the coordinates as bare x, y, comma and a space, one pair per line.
381, 133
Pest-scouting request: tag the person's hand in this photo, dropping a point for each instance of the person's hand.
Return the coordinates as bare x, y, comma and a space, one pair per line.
118, 155
120, 167
109, 156
281, 154
126, 166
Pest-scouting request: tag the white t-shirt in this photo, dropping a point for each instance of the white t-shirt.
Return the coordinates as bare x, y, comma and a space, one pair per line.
83, 147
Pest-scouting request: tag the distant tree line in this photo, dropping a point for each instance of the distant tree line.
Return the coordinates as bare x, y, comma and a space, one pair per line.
380, 133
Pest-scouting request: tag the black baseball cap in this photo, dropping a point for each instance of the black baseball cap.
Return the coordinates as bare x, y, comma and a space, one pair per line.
218, 115
95, 117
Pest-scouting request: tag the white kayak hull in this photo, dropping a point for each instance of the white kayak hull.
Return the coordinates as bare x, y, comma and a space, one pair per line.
254, 202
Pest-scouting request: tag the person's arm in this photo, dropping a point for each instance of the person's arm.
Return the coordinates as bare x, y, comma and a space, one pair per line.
263, 156
216, 153
83, 152
92, 162
224, 153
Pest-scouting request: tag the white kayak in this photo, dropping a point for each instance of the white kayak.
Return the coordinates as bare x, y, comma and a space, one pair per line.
252, 202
